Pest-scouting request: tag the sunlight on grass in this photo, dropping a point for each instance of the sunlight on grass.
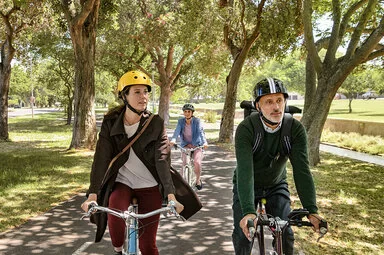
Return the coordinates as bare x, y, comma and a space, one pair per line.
345, 199
42, 173
361, 143
349, 195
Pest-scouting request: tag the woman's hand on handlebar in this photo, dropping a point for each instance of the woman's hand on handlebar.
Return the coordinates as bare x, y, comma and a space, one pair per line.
92, 198
178, 206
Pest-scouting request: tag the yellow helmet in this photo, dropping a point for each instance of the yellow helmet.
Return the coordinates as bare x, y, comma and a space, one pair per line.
133, 78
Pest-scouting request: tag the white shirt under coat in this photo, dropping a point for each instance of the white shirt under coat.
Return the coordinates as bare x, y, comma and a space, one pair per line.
134, 173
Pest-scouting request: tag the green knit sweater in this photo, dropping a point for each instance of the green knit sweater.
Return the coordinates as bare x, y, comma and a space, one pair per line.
264, 170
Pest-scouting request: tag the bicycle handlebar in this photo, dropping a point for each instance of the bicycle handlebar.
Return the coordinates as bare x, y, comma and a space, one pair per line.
295, 219
93, 207
178, 146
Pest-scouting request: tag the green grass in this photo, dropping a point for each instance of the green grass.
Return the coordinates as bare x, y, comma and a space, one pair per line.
37, 170
350, 196
367, 110
353, 141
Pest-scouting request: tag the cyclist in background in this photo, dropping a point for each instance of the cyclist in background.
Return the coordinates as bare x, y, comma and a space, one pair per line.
192, 135
142, 172
262, 172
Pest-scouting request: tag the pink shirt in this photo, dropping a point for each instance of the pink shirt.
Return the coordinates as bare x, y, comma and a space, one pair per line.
187, 133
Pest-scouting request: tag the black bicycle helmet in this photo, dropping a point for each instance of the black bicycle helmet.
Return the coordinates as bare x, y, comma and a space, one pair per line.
188, 107
269, 86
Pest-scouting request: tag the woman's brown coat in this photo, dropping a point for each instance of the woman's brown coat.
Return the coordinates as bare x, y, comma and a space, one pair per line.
152, 148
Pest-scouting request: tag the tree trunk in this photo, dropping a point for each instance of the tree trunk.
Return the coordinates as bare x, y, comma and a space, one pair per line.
315, 116
84, 126
350, 105
310, 84
83, 35
228, 115
5, 74
164, 99
7, 52
69, 111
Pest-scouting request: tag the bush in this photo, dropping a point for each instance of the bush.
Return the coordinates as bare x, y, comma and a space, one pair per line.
210, 117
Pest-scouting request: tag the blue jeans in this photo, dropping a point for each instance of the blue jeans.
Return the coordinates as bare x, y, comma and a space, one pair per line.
278, 204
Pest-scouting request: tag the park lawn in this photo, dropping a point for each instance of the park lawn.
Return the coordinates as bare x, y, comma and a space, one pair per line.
349, 196
366, 110
38, 172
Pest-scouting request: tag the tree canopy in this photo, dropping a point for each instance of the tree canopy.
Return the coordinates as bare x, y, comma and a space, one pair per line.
358, 27
194, 50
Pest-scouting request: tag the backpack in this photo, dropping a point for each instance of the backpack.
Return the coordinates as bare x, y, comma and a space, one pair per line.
285, 139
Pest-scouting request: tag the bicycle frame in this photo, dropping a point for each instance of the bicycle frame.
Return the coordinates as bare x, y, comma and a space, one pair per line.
131, 218
131, 228
189, 168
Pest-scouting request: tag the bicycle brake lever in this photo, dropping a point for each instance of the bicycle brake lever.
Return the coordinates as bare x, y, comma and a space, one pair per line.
320, 236
85, 215
323, 225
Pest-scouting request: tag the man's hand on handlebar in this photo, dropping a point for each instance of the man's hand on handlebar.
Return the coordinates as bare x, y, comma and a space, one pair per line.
244, 224
319, 225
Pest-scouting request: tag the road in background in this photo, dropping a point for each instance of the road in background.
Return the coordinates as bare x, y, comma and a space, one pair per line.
28, 111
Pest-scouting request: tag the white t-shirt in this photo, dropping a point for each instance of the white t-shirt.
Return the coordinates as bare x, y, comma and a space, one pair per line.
134, 173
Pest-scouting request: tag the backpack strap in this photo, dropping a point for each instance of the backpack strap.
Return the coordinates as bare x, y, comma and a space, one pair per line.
286, 136
259, 133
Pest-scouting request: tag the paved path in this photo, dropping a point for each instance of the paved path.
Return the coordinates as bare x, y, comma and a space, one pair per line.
353, 154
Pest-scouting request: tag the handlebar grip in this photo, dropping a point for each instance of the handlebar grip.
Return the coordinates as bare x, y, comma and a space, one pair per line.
172, 205
323, 227
251, 228
91, 205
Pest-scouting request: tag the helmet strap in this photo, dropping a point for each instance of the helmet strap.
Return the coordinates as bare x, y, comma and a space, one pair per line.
132, 109
268, 121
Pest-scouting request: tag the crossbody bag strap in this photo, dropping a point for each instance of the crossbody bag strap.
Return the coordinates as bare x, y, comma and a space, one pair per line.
133, 140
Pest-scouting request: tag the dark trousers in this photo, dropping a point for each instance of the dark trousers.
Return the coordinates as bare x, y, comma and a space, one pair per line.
278, 204
149, 199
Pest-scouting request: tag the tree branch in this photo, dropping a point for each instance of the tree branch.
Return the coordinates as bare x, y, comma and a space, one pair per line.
355, 38
308, 35
334, 41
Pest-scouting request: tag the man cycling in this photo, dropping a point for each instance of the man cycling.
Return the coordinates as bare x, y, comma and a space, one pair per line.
262, 172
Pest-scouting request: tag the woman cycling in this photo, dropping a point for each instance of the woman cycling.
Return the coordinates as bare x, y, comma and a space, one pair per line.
142, 172
192, 135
